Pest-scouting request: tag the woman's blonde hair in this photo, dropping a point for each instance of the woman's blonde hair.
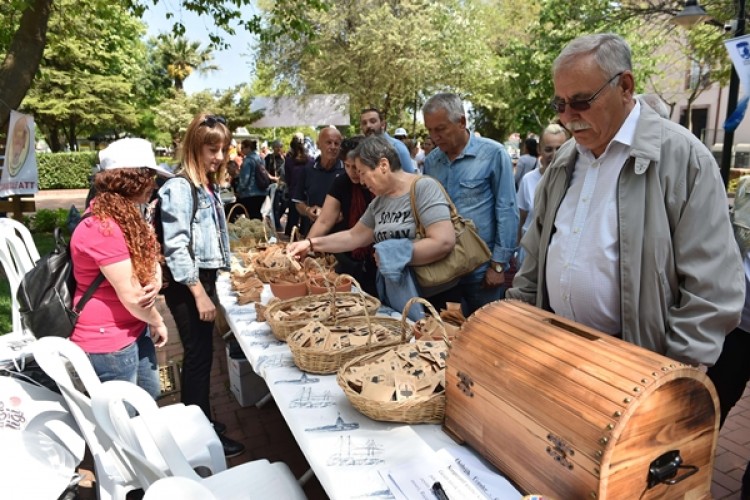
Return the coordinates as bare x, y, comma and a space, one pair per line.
116, 192
204, 129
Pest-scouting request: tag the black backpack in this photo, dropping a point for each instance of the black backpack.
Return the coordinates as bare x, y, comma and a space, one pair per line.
45, 295
155, 217
262, 179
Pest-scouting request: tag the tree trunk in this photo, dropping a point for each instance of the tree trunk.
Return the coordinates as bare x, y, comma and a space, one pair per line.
53, 141
72, 136
24, 55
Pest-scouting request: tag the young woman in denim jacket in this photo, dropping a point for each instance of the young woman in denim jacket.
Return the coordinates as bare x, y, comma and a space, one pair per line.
195, 248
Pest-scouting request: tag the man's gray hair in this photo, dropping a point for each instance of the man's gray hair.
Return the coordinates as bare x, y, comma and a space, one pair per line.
656, 103
451, 103
375, 147
611, 53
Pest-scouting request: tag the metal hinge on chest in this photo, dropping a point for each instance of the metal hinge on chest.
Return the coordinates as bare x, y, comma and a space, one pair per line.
560, 451
465, 383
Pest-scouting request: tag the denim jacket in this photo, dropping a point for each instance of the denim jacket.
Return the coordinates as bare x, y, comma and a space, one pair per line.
209, 229
247, 185
480, 183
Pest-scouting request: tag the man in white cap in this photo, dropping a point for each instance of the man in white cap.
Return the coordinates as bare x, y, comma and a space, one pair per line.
400, 134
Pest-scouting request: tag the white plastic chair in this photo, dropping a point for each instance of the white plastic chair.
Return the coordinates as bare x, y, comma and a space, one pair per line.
25, 235
180, 488
194, 433
16, 262
258, 479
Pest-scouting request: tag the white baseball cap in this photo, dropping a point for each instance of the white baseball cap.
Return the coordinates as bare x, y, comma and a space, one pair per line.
131, 153
400, 132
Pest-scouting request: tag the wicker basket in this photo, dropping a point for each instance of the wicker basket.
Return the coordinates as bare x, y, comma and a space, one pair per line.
330, 312
316, 359
427, 409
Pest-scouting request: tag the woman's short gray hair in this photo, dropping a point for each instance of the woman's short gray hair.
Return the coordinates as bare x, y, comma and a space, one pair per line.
451, 103
373, 148
611, 53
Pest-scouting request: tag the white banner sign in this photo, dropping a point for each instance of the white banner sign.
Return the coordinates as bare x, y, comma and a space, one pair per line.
739, 52
19, 174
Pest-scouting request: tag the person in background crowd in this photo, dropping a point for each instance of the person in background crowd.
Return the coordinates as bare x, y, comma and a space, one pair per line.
553, 137
315, 180
656, 103
117, 326
371, 122
528, 161
631, 233
400, 134
296, 161
478, 175
411, 146
275, 166
388, 219
426, 147
249, 193
263, 150
196, 247
343, 207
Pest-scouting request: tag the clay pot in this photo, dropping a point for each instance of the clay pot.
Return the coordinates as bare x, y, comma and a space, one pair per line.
314, 287
287, 290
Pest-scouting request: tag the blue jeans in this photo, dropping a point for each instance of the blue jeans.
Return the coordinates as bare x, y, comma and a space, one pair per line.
475, 296
134, 363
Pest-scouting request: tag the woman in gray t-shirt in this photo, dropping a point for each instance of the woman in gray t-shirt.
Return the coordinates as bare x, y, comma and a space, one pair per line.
389, 215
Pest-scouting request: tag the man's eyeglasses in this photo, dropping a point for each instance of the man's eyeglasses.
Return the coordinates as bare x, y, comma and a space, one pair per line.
580, 104
211, 120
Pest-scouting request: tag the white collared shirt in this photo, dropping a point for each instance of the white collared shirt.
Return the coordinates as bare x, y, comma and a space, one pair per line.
583, 273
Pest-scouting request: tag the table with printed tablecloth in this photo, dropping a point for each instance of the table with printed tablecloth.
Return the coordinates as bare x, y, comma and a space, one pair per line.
351, 455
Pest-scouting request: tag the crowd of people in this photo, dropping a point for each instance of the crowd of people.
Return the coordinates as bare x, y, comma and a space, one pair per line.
616, 218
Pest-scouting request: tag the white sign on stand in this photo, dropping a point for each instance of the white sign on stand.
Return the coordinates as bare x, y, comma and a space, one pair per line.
20, 175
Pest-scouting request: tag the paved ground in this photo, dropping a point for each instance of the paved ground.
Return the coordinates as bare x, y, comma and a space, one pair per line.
266, 435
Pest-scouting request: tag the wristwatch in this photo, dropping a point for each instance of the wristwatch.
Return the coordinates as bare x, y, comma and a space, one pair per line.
497, 267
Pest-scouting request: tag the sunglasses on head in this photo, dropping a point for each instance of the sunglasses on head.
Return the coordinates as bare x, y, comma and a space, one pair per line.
559, 105
211, 120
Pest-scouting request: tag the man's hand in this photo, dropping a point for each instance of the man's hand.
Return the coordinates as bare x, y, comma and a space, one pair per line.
493, 279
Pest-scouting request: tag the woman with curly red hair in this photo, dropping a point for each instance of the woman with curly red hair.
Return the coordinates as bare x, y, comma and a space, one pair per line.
115, 239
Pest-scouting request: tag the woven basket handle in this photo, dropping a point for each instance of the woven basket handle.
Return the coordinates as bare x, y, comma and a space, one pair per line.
234, 207
310, 262
294, 234
407, 308
362, 297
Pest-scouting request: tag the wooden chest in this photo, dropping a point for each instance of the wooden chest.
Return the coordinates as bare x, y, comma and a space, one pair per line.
570, 413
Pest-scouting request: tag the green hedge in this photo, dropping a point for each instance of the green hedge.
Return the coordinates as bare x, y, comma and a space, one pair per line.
65, 170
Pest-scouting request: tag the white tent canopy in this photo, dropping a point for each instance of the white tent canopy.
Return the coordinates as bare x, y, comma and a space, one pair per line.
306, 110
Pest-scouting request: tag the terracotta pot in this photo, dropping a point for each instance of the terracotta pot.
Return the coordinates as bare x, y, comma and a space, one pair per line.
287, 290
314, 287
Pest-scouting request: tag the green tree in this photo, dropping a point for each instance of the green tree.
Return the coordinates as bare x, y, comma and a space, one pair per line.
180, 57
23, 33
390, 55
85, 83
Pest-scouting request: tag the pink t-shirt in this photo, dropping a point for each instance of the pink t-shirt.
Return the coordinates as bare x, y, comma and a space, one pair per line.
104, 325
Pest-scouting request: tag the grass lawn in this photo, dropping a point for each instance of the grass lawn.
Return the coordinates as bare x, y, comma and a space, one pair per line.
44, 243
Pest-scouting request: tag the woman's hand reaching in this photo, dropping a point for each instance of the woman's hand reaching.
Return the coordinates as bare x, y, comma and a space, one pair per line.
299, 249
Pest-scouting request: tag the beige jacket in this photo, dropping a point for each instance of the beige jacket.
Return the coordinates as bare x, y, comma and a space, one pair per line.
681, 274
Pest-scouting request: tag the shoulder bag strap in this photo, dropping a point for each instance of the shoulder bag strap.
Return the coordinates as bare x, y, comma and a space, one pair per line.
412, 198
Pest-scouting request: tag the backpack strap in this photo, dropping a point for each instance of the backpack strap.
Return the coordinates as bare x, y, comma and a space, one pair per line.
93, 286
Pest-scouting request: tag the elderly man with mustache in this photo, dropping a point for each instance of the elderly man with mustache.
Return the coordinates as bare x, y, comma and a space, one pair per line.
631, 233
